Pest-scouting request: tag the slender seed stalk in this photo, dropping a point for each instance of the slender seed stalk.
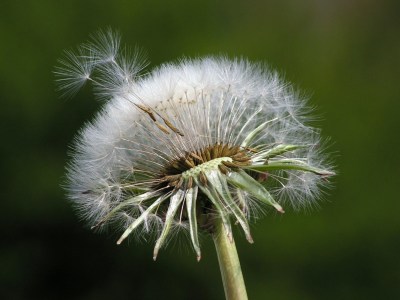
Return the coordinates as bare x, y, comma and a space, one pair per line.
229, 264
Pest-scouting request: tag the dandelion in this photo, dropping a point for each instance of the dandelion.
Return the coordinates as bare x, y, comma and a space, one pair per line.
192, 146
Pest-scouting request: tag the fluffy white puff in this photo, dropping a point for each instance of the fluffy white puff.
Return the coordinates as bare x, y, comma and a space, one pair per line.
149, 122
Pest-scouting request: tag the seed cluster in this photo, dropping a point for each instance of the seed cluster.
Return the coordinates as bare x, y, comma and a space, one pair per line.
136, 163
179, 172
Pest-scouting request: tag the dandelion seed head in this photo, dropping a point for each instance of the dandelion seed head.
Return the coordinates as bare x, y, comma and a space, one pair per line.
187, 143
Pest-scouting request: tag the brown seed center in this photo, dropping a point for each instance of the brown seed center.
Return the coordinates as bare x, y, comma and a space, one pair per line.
171, 175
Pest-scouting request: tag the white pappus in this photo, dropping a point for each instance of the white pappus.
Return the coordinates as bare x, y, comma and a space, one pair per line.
187, 143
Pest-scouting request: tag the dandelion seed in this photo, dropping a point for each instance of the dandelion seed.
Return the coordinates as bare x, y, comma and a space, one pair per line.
73, 71
235, 138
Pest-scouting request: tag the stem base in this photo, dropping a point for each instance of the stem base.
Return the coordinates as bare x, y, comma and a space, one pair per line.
229, 264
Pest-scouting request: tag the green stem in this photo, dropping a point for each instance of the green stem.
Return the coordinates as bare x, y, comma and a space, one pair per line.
229, 264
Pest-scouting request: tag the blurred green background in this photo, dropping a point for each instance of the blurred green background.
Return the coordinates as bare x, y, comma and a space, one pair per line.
345, 54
